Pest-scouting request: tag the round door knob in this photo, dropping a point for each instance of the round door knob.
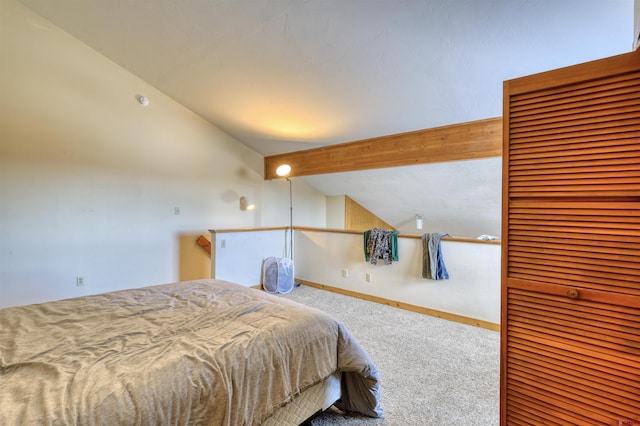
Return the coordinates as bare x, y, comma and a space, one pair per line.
573, 293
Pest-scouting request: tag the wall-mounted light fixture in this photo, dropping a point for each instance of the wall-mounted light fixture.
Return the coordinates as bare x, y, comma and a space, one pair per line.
245, 204
283, 170
419, 221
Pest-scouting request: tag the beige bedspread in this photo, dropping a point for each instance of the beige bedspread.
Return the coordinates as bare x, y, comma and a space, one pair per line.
197, 352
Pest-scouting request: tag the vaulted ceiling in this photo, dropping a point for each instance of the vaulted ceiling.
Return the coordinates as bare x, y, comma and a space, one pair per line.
286, 75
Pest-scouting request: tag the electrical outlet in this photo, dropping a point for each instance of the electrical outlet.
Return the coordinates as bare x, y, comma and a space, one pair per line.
368, 277
223, 243
79, 281
176, 211
345, 272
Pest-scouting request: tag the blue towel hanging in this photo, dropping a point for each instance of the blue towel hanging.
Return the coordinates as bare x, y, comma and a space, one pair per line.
433, 266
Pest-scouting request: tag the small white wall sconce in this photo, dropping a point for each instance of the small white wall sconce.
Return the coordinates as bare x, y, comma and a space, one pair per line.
142, 100
419, 221
245, 204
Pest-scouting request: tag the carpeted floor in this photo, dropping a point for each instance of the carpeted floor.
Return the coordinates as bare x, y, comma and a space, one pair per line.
433, 371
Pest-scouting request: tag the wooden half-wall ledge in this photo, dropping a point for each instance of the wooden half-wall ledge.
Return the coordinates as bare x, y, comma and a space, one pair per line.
466, 141
417, 236
347, 231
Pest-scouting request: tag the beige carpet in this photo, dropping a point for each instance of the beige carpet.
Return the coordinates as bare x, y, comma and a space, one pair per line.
433, 371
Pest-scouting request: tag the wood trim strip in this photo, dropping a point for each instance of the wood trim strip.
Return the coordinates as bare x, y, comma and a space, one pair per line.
601, 372
471, 140
347, 231
222, 231
406, 306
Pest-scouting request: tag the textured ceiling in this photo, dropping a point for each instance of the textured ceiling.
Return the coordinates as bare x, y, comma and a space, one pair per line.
285, 75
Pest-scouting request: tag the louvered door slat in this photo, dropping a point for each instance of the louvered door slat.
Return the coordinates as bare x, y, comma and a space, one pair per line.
629, 224
584, 174
583, 130
564, 141
625, 101
627, 340
618, 318
600, 119
571, 246
609, 161
566, 369
570, 141
551, 407
617, 369
603, 346
586, 264
586, 248
583, 255
623, 131
579, 391
557, 210
575, 236
527, 412
572, 180
560, 276
556, 108
578, 90
574, 153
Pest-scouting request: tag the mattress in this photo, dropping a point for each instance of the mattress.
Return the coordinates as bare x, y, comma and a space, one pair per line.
196, 352
317, 398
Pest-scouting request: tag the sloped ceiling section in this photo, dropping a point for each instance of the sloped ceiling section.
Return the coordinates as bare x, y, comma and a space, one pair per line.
461, 198
286, 75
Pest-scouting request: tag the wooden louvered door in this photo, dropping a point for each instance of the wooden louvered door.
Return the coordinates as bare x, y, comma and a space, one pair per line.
571, 246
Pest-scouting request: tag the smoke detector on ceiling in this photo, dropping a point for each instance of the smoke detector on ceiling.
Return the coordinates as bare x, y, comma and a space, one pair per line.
142, 100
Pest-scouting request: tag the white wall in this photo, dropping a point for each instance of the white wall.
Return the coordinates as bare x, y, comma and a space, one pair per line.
473, 289
89, 179
238, 256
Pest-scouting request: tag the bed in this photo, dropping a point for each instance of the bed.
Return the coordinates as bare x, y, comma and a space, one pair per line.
204, 352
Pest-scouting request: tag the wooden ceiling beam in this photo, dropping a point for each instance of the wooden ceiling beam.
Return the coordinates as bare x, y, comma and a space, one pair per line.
471, 140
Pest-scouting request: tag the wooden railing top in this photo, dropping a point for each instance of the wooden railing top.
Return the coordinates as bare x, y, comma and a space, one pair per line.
416, 236
348, 231
273, 228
